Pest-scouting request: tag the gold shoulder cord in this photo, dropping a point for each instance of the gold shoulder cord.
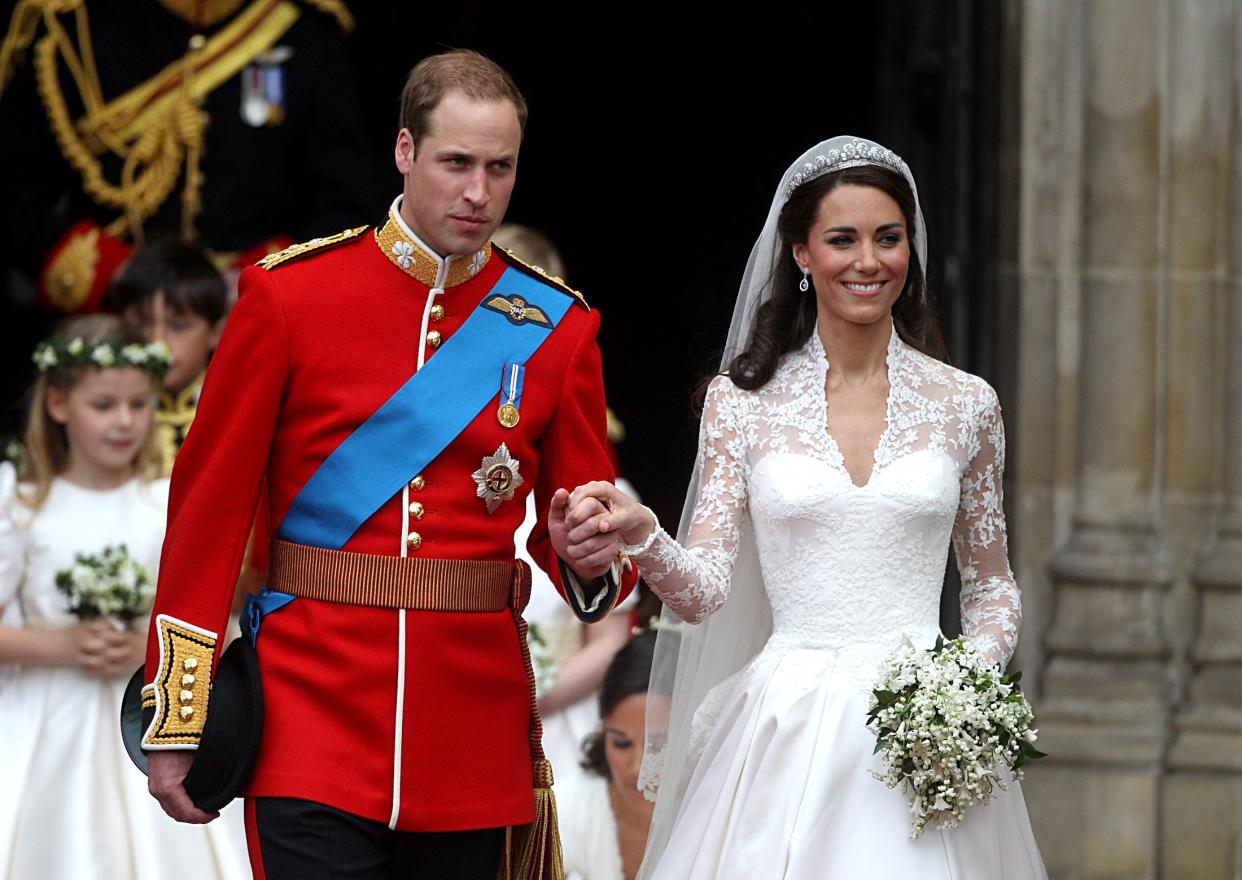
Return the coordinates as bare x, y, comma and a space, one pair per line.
157, 128
337, 10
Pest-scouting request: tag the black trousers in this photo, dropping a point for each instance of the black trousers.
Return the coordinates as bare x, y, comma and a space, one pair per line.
292, 839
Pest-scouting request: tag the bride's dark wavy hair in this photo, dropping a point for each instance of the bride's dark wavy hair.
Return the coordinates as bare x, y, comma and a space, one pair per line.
786, 320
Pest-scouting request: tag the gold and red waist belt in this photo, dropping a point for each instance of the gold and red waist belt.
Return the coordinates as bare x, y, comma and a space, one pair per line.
419, 584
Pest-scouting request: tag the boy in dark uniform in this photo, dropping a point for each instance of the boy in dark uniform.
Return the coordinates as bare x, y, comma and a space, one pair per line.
171, 292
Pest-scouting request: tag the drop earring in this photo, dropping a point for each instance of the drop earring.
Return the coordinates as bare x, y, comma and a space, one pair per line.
805, 284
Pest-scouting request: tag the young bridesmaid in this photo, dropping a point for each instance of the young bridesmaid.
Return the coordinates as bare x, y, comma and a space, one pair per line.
71, 803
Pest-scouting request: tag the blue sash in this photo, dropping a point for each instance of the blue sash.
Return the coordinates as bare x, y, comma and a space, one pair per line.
422, 418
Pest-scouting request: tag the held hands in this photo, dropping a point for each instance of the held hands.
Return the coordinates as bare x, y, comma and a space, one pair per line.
591, 557
589, 525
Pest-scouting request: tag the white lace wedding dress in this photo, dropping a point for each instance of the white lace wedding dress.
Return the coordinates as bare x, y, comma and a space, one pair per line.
780, 786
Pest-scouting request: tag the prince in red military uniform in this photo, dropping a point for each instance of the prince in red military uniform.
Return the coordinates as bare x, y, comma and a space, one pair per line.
405, 720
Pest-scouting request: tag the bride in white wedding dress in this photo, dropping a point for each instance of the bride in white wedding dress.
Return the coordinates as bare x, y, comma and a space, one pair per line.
838, 458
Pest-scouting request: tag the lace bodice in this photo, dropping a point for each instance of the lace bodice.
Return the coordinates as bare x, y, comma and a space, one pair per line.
849, 567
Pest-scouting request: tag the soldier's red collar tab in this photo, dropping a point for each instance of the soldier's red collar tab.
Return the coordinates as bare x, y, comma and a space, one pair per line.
405, 251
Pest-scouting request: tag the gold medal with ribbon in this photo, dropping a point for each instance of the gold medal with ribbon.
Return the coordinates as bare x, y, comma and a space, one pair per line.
511, 378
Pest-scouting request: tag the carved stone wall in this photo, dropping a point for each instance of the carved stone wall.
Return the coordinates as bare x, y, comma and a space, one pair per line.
1128, 468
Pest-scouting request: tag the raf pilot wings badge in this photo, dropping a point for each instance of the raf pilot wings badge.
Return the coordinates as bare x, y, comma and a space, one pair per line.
517, 310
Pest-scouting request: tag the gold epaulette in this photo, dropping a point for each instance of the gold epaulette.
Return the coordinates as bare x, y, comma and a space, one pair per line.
294, 251
551, 280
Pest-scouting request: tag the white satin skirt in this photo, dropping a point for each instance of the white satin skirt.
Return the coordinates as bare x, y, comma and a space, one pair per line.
72, 804
782, 790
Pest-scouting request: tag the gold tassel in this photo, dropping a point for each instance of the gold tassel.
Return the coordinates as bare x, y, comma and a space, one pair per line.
533, 852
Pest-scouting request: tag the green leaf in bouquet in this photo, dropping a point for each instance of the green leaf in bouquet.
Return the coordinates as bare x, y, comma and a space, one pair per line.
1028, 750
939, 645
885, 698
880, 743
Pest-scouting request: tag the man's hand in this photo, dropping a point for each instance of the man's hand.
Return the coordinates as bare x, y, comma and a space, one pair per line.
589, 526
589, 556
166, 782
600, 507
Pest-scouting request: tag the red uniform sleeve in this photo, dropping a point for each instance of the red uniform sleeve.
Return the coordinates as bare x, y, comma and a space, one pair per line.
574, 450
216, 484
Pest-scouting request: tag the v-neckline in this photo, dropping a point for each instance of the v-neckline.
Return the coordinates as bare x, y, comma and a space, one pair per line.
835, 456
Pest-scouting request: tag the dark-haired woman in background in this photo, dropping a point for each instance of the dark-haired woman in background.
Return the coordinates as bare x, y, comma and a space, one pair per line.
838, 455
604, 818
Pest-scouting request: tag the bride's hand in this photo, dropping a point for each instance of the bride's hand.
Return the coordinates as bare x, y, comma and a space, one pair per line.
619, 513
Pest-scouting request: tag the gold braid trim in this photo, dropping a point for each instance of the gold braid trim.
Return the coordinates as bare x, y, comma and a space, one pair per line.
71, 273
551, 280
140, 191
173, 418
156, 128
255, 30
337, 10
23, 26
181, 686
293, 251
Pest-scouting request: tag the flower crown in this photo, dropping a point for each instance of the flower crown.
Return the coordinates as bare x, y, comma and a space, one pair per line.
54, 353
850, 155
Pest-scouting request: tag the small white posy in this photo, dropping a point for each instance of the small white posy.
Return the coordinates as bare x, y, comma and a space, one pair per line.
945, 721
110, 584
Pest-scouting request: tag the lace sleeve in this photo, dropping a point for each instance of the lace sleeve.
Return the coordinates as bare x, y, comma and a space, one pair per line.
991, 605
694, 580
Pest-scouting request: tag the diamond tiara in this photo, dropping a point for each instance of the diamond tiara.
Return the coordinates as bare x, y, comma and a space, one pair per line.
850, 155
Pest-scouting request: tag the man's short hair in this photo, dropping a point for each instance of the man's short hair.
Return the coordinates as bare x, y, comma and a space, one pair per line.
461, 70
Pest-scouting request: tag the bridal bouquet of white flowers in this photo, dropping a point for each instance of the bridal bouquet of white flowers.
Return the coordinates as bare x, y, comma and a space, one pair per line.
110, 584
542, 659
945, 720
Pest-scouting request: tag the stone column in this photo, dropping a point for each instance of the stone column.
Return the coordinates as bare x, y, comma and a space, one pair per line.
1205, 762
1106, 686
1131, 370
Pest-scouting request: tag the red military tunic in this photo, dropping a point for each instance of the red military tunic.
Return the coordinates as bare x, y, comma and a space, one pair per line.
415, 718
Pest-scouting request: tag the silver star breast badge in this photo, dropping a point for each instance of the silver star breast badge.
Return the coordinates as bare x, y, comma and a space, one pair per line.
497, 478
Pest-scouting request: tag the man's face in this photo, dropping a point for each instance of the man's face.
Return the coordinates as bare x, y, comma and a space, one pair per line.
458, 181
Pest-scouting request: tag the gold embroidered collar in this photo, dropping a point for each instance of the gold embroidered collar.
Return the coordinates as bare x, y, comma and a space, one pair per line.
405, 251
179, 410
